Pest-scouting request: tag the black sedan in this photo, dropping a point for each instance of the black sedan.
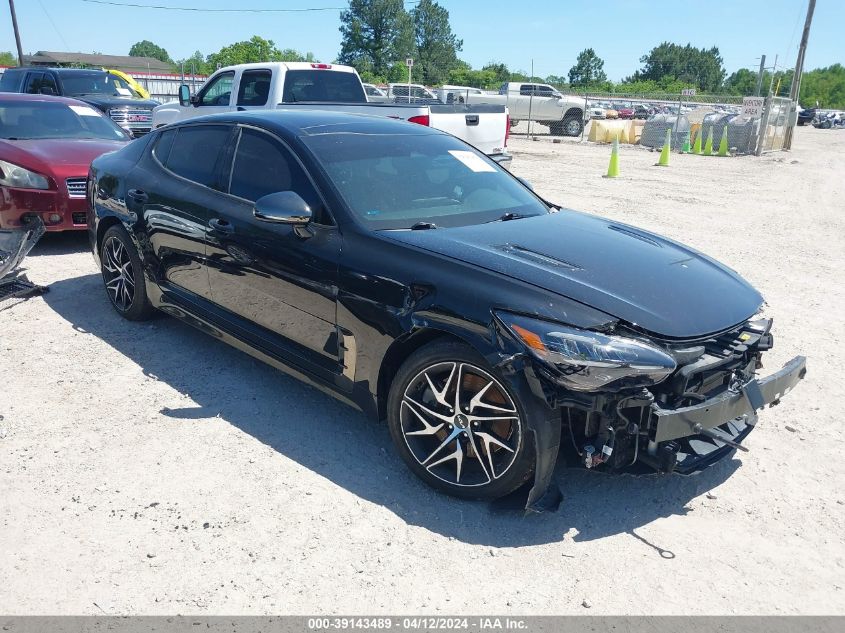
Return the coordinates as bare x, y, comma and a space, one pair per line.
404, 272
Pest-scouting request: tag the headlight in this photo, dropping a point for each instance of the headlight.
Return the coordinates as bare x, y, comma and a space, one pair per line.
590, 361
12, 175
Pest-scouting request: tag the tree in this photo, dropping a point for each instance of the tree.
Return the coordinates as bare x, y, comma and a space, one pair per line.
744, 82
375, 34
256, 49
825, 86
194, 64
8, 59
588, 70
437, 46
145, 48
669, 63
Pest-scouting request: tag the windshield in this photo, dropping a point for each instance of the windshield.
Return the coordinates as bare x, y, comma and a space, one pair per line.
396, 181
97, 83
44, 119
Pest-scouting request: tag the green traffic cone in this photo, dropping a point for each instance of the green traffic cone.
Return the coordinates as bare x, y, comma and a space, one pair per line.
613, 167
667, 147
708, 144
685, 147
696, 148
723, 144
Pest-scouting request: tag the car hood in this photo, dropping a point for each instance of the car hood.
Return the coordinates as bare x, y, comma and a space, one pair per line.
59, 156
649, 281
105, 102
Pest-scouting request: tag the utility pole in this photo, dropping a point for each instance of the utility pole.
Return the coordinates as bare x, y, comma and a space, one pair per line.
17, 33
760, 76
795, 88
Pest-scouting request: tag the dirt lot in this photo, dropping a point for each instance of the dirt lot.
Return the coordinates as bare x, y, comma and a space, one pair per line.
150, 469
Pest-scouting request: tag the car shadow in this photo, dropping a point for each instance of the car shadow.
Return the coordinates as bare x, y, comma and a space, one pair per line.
345, 447
60, 243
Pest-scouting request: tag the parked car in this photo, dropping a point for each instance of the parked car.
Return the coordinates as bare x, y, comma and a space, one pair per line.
642, 112
330, 87
564, 115
409, 275
456, 94
46, 146
102, 89
375, 94
596, 111
806, 115
413, 93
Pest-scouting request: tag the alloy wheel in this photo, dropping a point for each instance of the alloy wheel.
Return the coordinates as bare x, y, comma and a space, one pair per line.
118, 274
460, 424
573, 127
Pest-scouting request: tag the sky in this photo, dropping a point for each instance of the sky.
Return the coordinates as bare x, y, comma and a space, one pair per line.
549, 32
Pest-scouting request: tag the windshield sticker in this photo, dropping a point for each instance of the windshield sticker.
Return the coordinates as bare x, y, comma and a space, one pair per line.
84, 110
475, 163
123, 92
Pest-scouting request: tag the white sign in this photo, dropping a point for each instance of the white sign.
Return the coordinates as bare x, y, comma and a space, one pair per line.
752, 106
688, 92
409, 62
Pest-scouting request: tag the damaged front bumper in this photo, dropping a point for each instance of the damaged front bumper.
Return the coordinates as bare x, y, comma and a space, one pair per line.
16, 243
701, 434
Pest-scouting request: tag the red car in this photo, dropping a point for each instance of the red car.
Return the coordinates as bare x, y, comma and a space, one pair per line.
46, 147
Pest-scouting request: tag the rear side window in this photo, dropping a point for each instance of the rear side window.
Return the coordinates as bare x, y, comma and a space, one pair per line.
195, 151
254, 88
263, 166
322, 85
163, 145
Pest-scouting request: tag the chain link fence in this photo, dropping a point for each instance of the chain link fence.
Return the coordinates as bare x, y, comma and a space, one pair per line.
540, 111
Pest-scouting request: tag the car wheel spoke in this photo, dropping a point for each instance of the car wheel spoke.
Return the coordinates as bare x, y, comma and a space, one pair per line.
460, 424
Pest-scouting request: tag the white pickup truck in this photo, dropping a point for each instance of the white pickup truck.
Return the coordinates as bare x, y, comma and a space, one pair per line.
537, 102
297, 85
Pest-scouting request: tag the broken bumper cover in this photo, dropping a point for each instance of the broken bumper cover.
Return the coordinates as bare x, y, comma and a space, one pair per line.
734, 412
16, 243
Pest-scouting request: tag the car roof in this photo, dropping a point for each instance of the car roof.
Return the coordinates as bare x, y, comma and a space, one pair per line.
63, 71
287, 66
18, 96
317, 122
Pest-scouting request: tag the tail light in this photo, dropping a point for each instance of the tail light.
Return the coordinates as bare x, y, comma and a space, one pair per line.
507, 128
421, 119
321, 66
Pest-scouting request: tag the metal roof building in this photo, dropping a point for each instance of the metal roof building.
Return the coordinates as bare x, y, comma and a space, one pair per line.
119, 62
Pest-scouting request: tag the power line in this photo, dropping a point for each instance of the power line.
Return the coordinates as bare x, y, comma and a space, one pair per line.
206, 10
55, 28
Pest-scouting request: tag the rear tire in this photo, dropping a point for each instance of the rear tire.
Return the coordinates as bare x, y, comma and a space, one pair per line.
471, 442
123, 275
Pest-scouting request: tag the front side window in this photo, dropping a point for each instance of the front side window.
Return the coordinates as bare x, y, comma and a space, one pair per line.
33, 83
195, 151
49, 119
262, 165
254, 88
394, 181
219, 91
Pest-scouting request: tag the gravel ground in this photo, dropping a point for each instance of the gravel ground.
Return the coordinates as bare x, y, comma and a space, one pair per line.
149, 469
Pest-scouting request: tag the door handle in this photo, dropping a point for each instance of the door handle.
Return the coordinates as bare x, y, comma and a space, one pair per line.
471, 119
137, 195
221, 226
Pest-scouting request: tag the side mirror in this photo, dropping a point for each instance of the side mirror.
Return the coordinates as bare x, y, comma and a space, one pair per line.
283, 207
184, 95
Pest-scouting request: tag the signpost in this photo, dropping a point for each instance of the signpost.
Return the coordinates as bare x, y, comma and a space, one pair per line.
409, 62
688, 92
753, 107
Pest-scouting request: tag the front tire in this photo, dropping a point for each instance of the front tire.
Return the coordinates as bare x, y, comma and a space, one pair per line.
123, 276
572, 125
458, 425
